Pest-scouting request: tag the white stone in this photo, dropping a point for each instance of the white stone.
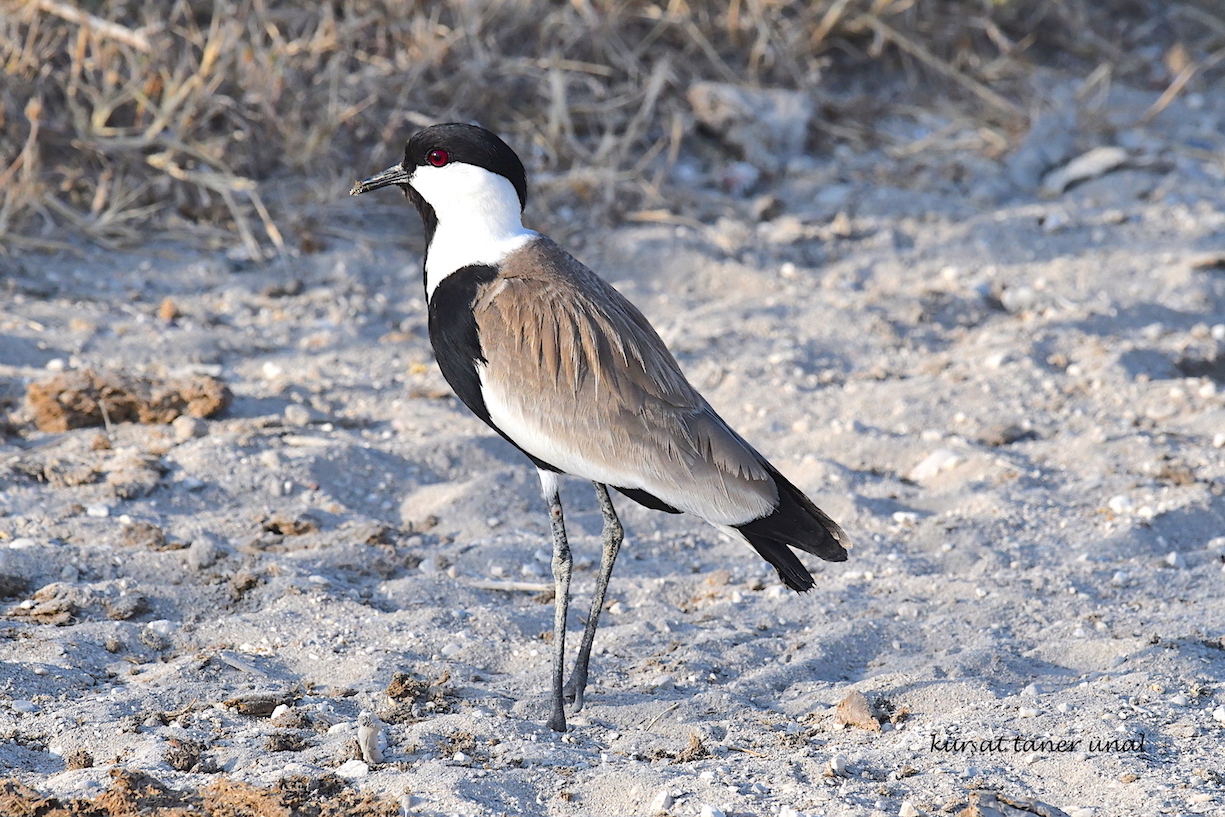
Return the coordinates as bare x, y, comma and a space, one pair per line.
186, 428
352, 769
710, 811
1120, 503
27, 707
1218, 714
934, 463
99, 510
1028, 712
162, 626
662, 802
22, 543
837, 764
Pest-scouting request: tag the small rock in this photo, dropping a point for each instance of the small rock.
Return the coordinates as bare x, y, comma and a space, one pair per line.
934, 463
186, 428
662, 802
837, 766
460, 758
1028, 712
908, 810
710, 811
98, 510
25, 707
202, 553
1176, 560
854, 710
1120, 503
297, 415
1218, 714
352, 769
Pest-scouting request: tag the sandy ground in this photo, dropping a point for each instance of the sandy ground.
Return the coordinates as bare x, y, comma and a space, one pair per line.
1010, 403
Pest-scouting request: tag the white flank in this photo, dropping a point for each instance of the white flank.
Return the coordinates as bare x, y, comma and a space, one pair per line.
479, 218
507, 414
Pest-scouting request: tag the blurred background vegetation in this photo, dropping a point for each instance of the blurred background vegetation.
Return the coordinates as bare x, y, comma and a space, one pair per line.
122, 120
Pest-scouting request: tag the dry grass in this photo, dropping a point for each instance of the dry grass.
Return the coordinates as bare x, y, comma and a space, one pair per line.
121, 118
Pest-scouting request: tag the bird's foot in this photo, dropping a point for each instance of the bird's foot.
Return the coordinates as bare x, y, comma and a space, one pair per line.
557, 722
573, 693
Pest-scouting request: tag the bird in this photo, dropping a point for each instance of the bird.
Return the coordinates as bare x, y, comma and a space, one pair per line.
568, 371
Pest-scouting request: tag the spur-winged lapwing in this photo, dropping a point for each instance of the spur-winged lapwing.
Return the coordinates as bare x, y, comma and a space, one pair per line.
569, 372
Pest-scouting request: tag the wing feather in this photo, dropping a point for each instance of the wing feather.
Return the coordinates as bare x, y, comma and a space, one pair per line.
577, 377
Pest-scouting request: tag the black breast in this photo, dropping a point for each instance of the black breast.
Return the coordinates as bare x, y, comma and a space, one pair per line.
457, 341
454, 335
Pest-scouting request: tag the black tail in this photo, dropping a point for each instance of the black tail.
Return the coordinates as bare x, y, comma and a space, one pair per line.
797, 523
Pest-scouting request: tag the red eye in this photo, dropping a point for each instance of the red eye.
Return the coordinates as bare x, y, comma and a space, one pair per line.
437, 157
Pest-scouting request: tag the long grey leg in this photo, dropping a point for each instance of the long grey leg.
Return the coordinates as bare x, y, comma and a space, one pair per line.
562, 564
611, 543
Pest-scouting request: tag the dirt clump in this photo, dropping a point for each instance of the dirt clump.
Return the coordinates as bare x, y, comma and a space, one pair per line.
79, 399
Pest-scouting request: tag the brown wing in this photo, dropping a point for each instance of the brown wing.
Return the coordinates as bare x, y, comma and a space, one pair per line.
577, 377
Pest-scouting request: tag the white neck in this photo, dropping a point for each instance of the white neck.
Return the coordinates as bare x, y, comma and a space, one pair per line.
479, 220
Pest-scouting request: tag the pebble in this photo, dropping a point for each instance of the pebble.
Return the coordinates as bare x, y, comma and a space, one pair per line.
1218, 440
1178, 700
1031, 690
1028, 712
937, 461
187, 428
202, 553
1175, 559
452, 649
837, 765
297, 415
98, 511
28, 707
1120, 503
162, 626
22, 543
1082, 812
461, 758
710, 811
1218, 714
908, 810
662, 801
352, 768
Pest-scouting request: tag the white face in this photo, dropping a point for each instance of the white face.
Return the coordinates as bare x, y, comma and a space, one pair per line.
479, 220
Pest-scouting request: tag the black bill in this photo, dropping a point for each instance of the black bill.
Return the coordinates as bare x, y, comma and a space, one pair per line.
392, 175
